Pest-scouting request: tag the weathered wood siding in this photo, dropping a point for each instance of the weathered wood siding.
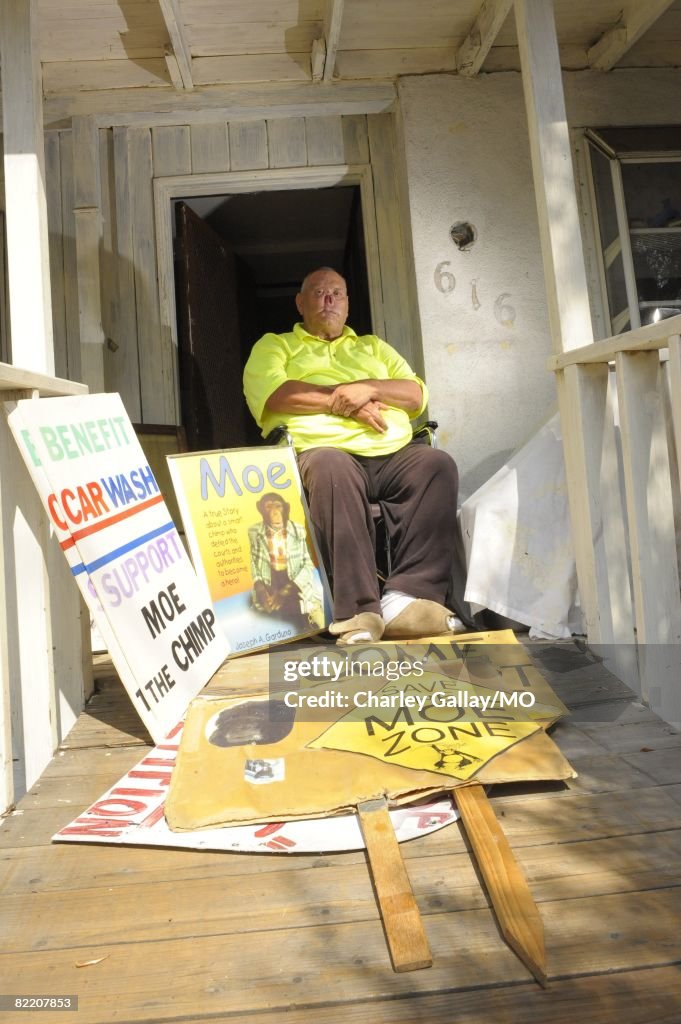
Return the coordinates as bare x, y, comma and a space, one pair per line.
138, 356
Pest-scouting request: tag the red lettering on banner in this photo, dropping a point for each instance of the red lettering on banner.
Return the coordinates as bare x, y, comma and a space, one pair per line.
425, 819
153, 817
163, 776
280, 843
104, 807
95, 827
267, 830
87, 503
119, 791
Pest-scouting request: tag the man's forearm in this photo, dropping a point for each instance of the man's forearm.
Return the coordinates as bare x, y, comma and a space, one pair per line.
297, 396
404, 394
349, 398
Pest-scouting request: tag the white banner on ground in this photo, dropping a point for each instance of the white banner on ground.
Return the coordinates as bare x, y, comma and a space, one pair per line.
131, 813
123, 550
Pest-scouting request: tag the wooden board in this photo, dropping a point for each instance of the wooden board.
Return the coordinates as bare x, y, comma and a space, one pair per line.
324, 141
70, 273
54, 216
155, 353
516, 911
209, 147
125, 371
287, 142
248, 145
610, 933
171, 151
650, 511
602, 860
407, 942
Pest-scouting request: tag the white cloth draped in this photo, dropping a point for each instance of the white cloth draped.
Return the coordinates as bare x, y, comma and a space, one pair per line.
516, 533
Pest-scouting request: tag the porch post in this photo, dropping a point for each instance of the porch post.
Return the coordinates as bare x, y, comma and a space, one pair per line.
41, 664
582, 391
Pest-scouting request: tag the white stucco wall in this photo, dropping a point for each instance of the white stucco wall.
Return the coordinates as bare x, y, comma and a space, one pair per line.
467, 159
486, 341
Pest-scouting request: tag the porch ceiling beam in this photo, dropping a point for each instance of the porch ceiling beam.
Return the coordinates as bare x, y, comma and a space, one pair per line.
165, 106
178, 56
477, 44
324, 50
332, 30
636, 18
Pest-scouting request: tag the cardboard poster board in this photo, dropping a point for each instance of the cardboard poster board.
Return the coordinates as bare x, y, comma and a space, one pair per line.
123, 549
130, 813
269, 758
223, 498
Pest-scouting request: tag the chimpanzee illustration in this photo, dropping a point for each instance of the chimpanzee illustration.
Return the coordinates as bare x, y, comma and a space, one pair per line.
452, 757
284, 579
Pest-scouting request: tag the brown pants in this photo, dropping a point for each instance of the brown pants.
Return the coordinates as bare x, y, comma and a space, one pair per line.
417, 487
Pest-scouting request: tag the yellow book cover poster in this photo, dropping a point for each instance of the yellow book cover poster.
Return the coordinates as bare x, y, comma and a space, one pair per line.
249, 535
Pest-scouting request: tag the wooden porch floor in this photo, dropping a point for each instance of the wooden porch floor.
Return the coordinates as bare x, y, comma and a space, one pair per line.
195, 936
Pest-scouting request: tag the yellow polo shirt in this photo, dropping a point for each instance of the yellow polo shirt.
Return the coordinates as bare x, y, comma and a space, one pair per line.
299, 355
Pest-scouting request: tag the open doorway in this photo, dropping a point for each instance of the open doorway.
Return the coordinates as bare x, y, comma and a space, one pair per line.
239, 260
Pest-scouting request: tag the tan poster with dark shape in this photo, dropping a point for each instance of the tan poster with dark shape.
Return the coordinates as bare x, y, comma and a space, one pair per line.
258, 759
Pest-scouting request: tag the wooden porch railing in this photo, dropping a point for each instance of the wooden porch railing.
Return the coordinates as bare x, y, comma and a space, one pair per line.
45, 663
621, 491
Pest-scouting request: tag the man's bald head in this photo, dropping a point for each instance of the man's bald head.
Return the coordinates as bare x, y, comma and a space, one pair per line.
323, 303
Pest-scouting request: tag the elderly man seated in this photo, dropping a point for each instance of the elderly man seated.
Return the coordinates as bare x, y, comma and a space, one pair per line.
347, 401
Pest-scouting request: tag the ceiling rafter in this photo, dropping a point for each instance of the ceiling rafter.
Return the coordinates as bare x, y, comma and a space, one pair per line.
477, 44
324, 50
332, 30
636, 18
178, 56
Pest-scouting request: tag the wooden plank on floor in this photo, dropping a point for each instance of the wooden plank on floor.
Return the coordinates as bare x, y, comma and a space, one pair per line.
630, 737
441, 871
662, 766
624, 998
323, 964
335, 894
538, 820
607, 773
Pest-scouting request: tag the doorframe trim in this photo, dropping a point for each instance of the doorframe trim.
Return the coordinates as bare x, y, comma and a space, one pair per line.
234, 182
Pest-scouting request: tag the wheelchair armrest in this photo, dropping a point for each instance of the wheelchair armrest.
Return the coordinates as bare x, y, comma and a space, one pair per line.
279, 436
426, 433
